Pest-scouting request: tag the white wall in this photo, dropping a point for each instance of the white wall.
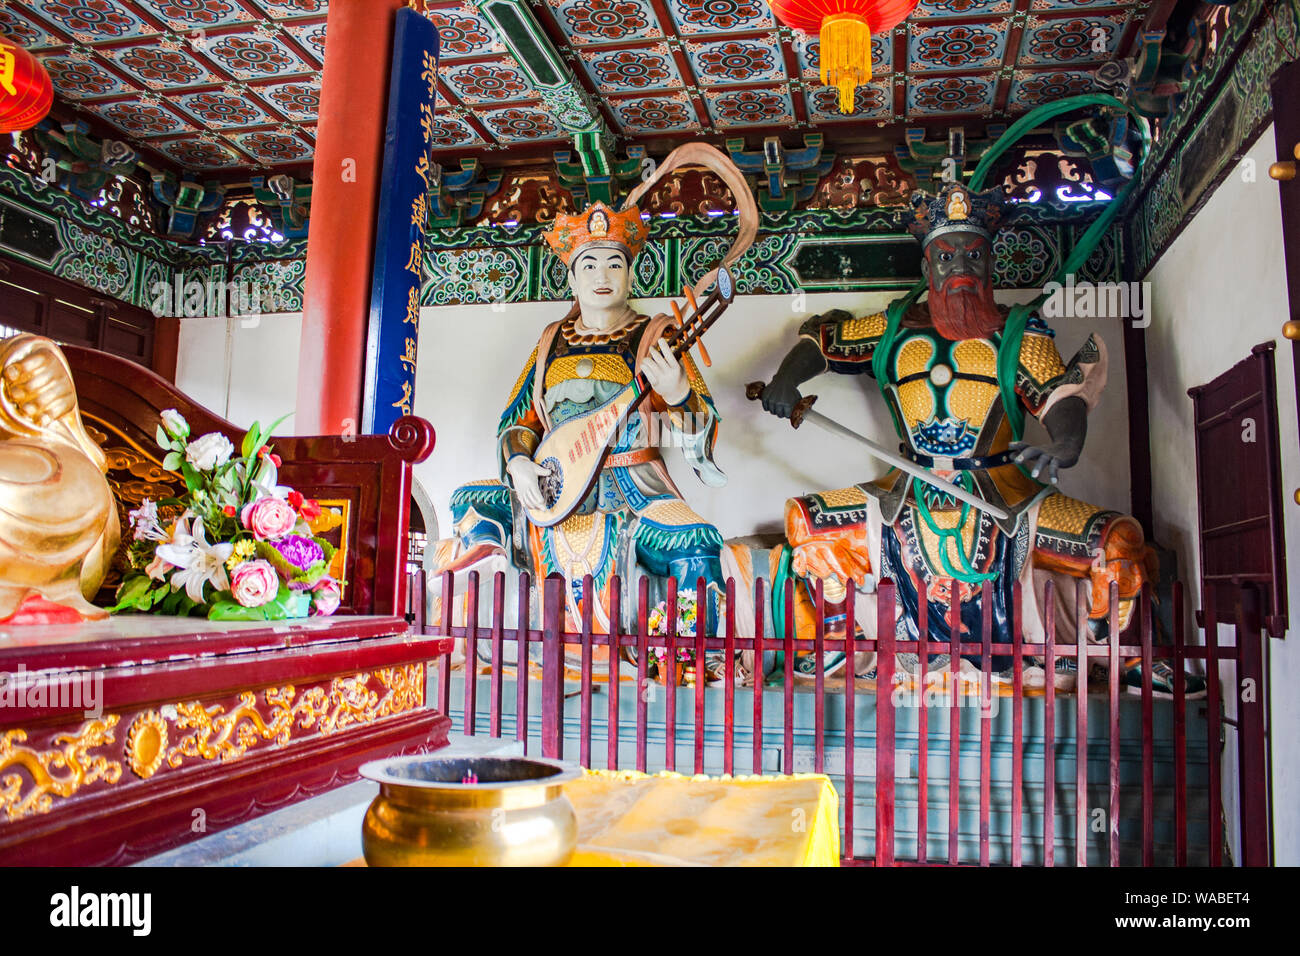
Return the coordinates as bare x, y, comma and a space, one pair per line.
1219, 291
243, 369
471, 355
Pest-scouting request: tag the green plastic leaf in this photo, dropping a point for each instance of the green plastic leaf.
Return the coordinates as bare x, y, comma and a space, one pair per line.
169, 602
173, 460
286, 604
131, 592
276, 424
233, 611
164, 440
252, 440
263, 436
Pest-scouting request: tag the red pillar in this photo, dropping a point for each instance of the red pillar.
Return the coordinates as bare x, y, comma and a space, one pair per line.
341, 236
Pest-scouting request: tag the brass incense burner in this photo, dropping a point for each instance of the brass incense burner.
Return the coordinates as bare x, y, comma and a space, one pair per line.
469, 811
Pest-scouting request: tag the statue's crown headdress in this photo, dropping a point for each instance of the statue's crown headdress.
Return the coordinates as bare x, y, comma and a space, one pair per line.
598, 226
956, 209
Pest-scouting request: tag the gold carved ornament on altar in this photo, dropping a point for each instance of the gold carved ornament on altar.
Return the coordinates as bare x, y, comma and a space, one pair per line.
201, 732
57, 772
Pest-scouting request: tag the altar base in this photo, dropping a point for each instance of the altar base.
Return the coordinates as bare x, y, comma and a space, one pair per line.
124, 738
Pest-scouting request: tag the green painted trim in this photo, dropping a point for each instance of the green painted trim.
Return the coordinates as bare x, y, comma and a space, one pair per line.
845, 284
1260, 36
673, 271
534, 272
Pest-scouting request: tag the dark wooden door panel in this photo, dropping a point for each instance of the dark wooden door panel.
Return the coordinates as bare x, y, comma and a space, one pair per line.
20, 307
35, 301
1239, 485
71, 323
1286, 132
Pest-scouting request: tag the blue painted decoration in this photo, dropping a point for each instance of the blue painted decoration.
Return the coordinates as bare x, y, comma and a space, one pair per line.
408, 176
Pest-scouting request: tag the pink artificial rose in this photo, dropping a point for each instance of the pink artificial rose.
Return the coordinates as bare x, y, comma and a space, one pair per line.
269, 518
325, 597
254, 583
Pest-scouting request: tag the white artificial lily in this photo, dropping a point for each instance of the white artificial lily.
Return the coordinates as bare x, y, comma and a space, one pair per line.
158, 568
198, 561
144, 522
264, 485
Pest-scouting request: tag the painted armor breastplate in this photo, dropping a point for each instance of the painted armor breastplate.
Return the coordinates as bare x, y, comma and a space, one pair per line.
945, 394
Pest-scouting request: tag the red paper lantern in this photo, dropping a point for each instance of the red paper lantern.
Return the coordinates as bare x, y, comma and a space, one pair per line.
26, 94
845, 27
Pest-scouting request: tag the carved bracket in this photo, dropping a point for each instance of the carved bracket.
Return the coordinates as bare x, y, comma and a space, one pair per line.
933, 162
457, 198
289, 201
785, 177
594, 174
186, 202
85, 165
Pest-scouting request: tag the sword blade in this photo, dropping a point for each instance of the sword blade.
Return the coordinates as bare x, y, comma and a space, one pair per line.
903, 464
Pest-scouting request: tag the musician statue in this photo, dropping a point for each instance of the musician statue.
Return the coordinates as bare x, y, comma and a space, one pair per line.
568, 510
954, 375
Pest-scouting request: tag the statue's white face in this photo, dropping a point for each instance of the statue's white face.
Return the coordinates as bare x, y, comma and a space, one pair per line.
600, 280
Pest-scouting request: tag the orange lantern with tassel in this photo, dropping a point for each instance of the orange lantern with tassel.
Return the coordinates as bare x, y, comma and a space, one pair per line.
26, 93
845, 27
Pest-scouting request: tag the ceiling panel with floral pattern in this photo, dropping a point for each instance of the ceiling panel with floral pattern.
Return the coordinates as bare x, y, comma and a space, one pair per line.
229, 84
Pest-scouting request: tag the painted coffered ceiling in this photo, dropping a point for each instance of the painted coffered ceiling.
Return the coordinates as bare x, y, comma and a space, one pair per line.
224, 85
208, 84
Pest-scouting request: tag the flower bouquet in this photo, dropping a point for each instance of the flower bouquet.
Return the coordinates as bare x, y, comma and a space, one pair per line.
236, 546
688, 611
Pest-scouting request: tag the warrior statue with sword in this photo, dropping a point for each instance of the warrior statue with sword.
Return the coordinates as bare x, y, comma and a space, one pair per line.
584, 487
954, 375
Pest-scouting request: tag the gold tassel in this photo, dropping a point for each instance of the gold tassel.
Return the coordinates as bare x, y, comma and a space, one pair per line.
846, 55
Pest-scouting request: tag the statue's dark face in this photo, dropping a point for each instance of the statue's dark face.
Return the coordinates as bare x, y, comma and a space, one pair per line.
959, 267
958, 262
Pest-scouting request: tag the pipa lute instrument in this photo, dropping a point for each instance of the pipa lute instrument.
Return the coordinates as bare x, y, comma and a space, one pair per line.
573, 453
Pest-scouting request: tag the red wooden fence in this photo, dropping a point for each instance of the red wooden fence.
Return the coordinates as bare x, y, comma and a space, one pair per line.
554, 640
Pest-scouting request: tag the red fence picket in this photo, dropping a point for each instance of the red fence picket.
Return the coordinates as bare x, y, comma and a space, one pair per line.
568, 659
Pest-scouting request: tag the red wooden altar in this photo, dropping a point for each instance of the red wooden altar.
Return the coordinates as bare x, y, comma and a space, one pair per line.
128, 737
123, 738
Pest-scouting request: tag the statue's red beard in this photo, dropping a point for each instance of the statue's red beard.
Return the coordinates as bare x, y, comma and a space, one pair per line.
963, 314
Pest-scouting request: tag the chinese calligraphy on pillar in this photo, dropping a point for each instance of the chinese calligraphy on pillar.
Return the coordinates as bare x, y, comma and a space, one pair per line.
408, 173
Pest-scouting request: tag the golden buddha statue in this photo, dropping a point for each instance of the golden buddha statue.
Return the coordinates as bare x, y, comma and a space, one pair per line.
58, 519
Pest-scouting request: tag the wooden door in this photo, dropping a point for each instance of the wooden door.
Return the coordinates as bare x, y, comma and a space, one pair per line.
1286, 130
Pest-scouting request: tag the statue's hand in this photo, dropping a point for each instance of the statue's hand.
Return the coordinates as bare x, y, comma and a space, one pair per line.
39, 387
828, 559
665, 374
524, 474
780, 397
1047, 460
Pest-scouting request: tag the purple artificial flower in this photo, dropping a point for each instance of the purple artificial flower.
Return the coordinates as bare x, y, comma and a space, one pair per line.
301, 552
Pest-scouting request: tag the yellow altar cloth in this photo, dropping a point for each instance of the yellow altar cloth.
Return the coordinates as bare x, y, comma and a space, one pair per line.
633, 819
